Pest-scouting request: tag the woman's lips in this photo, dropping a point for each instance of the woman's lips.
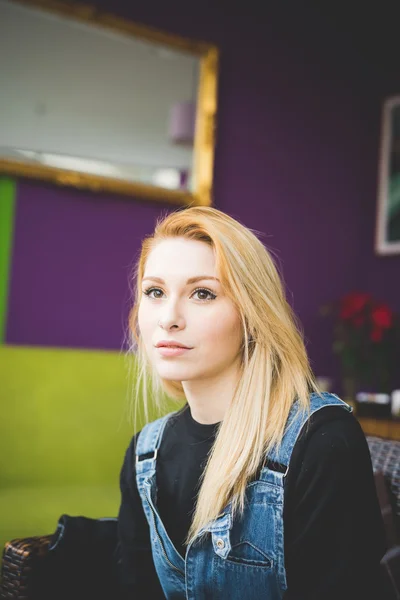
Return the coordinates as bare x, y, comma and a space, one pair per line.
172, 350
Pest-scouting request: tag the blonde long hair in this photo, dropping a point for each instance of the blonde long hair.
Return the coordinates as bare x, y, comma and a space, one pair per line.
275, 369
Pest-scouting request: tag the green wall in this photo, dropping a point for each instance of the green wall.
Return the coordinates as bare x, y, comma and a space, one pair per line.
7, 210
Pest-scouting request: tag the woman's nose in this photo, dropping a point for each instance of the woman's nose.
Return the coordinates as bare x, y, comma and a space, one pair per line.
171, 318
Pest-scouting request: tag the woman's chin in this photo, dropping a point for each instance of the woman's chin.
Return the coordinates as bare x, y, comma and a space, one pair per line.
175, 373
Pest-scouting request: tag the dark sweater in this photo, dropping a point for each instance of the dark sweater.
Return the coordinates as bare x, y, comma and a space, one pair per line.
333, 530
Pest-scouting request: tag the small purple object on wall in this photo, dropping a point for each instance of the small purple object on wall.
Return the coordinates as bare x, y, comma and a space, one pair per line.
182, 123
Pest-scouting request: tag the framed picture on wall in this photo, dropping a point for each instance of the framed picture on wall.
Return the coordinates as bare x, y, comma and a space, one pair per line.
387, 238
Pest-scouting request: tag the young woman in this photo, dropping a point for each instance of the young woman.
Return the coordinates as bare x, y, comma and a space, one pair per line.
258, 486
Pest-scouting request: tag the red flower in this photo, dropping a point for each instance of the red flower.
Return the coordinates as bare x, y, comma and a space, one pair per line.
362, 338
352, 304
382, 316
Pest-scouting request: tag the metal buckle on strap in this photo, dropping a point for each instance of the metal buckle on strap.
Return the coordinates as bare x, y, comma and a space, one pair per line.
147, 457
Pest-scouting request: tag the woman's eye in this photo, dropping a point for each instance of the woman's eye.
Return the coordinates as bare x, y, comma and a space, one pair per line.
149, 291
210, 295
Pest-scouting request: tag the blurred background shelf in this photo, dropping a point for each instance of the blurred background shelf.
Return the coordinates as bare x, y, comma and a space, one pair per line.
386, 428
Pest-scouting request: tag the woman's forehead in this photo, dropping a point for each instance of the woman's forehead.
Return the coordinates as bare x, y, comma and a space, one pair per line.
189, 255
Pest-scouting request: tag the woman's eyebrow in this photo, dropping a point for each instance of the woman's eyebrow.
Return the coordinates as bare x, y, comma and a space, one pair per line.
190, 280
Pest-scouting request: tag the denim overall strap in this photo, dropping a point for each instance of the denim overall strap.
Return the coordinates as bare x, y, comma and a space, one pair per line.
148, 443
297, 419
169, 564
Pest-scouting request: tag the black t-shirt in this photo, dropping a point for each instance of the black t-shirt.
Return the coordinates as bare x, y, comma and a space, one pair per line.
333, 530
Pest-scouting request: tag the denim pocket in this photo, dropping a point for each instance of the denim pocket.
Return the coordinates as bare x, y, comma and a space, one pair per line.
247, 554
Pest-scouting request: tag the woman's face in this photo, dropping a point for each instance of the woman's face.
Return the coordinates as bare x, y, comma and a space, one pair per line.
196, 314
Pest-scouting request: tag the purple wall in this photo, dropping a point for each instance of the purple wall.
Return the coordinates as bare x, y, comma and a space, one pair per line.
296, 158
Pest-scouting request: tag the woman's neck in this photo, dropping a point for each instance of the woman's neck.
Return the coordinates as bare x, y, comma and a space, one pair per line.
210, 398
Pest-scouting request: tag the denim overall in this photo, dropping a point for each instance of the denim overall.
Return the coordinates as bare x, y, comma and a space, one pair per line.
241, 558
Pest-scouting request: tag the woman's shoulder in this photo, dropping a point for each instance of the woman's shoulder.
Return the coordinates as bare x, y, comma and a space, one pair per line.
331, 434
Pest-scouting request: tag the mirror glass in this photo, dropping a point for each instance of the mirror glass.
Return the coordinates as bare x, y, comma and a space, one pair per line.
91, 99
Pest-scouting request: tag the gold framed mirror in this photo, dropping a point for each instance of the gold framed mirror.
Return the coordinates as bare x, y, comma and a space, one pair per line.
98, 102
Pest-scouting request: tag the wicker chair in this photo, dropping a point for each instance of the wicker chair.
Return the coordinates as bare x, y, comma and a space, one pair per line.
20, 560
